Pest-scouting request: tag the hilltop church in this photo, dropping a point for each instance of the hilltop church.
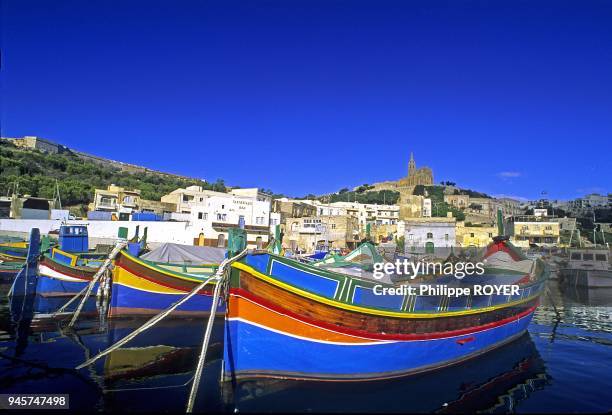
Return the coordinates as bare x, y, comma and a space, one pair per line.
406, 185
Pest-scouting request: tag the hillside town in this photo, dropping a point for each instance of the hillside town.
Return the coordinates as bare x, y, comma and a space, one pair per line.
425, 216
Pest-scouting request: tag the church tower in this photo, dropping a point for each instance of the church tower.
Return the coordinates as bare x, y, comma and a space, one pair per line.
411, 166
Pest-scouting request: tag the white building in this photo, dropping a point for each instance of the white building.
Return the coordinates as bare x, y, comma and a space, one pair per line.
429, 236
213, 213
426, 209
365, 213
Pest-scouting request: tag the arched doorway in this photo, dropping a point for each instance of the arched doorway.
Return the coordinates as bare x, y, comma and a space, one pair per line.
429, 248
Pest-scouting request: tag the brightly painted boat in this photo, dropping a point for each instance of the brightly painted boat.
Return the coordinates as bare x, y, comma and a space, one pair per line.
13, 251
63, 273
141, 287
8, 270
290, 320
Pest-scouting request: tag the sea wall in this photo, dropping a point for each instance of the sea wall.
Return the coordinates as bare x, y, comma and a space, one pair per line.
106, 231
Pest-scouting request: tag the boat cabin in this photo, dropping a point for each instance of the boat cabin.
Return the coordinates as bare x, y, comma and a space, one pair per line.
73, 238
590, 258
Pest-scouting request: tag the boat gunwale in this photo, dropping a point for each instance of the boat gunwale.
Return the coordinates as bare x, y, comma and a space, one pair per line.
175, 274
375, 310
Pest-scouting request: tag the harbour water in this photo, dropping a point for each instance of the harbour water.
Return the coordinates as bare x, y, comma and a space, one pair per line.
561, 364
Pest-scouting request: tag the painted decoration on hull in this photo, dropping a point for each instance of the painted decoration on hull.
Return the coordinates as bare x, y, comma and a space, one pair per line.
330, 327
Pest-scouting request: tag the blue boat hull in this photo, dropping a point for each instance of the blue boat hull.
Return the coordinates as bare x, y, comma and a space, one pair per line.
259, 354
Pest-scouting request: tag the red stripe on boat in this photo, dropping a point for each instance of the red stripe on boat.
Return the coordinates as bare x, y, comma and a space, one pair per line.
240, 292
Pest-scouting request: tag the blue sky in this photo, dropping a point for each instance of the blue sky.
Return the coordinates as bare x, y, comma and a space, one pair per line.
302, 97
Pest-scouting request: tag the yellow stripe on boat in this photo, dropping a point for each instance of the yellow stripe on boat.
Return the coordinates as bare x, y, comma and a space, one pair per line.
15, 244
359, 309
125, 277
166, 271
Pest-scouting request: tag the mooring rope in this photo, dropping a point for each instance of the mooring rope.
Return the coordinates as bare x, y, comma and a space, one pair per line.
200, 366
118, 247
62, 308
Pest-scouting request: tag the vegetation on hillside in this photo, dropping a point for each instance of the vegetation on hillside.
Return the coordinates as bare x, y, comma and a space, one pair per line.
439, 208
362, 194
35, 173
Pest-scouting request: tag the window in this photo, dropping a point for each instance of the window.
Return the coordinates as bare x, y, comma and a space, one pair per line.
575, 256
429, 235
471, 234
200, 215
587, 257
259, 242
222, 216
600, 257
333, 226
446, 237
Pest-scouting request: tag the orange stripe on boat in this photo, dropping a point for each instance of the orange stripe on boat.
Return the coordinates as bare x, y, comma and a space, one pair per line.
247, 310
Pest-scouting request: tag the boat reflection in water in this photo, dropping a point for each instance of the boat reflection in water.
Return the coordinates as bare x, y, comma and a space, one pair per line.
154, 371
151, 372
492, 382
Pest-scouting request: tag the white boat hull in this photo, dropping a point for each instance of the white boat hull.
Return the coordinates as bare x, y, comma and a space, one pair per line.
587, 278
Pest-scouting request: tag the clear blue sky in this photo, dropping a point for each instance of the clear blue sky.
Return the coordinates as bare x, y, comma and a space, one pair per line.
308, 97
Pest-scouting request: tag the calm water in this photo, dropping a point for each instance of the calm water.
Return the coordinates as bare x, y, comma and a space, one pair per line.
562, 364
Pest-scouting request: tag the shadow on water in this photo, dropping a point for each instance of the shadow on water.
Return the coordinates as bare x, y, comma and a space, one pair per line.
541, 371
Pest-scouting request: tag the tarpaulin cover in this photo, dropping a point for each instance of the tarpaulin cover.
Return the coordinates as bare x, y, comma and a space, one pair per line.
186, 254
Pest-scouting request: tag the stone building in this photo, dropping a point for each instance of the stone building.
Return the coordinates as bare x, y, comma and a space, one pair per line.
37, 143
411, 206
529, 229
291, 208
478, 236
459, 201
416, 176
116, 199
156, 206
308, 233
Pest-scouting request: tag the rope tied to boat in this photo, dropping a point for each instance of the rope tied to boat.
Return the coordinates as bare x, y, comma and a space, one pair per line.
101, 271
218, 276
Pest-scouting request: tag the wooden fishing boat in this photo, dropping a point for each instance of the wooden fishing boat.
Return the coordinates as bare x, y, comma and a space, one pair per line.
141, 287
8, 270
588, 267
64, 270
290, 320
13, 251
62, 273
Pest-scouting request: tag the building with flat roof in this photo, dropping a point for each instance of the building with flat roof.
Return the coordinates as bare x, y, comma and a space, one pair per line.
526, 230
429, 236
37, 143
308, 233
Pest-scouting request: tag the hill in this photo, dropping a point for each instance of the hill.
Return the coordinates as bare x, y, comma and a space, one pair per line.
78, 175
